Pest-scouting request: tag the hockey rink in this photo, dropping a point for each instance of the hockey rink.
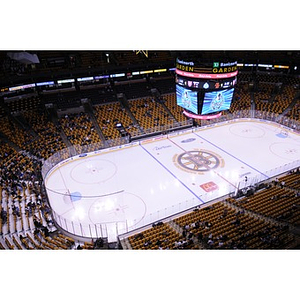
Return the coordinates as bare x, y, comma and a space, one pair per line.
112, 191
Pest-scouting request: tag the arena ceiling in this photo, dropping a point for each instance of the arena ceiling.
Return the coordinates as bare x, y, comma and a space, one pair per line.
74, 62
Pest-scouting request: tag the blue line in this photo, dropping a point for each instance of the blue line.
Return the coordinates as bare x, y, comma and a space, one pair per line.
173, 175
230, 155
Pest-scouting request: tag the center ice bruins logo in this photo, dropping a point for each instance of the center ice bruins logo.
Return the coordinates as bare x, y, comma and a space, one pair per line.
198, 161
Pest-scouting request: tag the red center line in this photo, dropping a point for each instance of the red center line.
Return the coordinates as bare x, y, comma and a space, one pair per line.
225, 179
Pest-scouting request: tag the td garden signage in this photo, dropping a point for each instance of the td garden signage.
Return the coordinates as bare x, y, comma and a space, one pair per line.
185, 66
215, 68
224, 67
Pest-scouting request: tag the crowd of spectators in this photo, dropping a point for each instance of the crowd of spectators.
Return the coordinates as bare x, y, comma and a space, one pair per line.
79, 129
223, 226
22, 152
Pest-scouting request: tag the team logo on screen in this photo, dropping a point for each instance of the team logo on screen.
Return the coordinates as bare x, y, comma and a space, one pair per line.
198, 161
205, 85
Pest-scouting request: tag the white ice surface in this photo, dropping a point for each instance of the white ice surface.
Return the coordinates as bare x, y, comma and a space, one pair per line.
123, 189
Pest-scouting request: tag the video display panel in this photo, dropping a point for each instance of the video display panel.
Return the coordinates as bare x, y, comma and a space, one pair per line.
211, 84
217, 101
187, 99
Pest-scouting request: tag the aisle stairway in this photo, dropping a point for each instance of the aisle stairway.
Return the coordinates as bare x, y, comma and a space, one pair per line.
290, 107
89, 110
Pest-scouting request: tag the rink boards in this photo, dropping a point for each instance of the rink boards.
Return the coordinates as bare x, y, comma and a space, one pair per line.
111, 191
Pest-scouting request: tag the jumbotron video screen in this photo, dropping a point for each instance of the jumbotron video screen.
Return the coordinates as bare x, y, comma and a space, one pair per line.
205, 88
216, 101
187, 99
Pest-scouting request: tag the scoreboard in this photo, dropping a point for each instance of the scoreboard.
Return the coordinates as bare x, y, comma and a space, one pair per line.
205, 88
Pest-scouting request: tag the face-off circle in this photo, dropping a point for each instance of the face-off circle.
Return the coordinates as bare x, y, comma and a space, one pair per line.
118, 208
97, 171
289, 151
246, 131
198, 161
